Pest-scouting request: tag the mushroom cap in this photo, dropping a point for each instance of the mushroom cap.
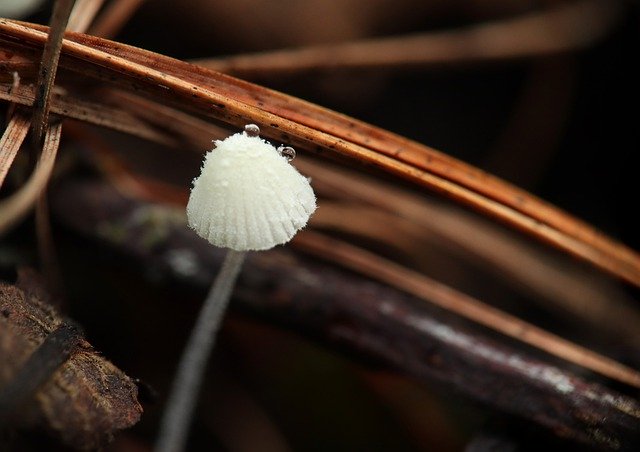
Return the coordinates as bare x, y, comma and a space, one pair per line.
248, 197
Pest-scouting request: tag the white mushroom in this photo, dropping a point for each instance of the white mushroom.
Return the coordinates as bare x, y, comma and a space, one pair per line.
248, 197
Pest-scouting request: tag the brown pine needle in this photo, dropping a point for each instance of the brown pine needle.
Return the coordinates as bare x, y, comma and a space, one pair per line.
16, 206
49, 67
186, 128
11, 141
114, 17
83, 14
77, 17
127, 182
402, 278
46, 249
564, 28
82, 109
311, 127
568, 286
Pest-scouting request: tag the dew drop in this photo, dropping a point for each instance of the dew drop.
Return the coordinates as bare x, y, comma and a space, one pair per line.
287, 152
251, 130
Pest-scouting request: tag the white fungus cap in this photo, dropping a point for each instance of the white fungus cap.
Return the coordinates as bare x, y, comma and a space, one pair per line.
248, 196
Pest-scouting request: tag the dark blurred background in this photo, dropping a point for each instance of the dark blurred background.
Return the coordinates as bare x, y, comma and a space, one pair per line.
563, 127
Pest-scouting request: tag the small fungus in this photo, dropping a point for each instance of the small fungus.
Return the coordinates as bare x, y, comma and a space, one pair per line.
247, 197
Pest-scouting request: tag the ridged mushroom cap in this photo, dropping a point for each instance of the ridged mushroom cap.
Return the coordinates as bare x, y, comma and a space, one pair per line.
248, 196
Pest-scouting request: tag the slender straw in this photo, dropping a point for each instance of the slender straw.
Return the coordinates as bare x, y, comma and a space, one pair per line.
186, 385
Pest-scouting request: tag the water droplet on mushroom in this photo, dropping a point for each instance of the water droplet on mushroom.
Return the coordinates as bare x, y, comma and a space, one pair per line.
287, 152
251, 130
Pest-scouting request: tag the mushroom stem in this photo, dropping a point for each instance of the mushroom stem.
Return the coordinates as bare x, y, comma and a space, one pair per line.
186, 385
